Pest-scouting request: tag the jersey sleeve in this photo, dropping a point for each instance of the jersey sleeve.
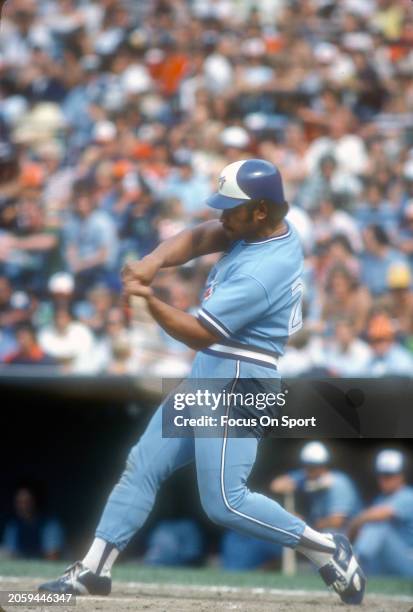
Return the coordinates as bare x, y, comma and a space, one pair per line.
341, 498
233, 304
402, 505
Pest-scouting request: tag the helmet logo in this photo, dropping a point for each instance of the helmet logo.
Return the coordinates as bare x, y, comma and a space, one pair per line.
221, 182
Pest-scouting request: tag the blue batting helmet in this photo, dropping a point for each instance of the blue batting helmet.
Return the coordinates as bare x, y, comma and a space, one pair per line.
245, 181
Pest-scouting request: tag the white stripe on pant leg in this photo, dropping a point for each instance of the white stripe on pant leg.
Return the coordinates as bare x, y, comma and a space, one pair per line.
226, 502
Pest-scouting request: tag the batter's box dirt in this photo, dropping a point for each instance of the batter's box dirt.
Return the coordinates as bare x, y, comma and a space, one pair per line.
178, 598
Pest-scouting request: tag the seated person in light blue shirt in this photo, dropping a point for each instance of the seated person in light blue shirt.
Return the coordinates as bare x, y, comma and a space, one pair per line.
330, 498
384, 541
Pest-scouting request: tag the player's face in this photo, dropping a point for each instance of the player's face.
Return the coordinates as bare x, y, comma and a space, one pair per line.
240, 222
314, 472
389, 483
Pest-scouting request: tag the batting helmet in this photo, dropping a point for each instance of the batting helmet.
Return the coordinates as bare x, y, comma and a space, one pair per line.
390, 461
245, 181
314, 453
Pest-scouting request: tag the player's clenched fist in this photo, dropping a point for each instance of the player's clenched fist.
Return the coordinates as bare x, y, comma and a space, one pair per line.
143, 271
134, 287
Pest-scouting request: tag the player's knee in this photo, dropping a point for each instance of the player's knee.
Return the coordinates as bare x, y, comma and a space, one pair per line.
217, 510
218, 514
213, 505
221, 505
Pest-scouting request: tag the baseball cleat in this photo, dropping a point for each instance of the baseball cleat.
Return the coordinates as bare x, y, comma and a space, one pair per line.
344, 574
78, 580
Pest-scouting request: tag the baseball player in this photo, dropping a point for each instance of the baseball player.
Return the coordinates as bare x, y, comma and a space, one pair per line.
330, 497
385, 529
251, 305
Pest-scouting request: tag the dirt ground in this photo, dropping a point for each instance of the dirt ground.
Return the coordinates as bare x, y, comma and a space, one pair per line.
177, 598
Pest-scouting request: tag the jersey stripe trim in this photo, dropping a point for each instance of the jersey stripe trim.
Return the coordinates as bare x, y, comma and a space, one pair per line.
222, 477
245, 354
212, 323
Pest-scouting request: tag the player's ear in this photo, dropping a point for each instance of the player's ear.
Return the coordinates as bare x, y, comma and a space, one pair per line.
261, 211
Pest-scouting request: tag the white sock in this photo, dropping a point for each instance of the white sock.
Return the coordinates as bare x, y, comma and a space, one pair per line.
316, 546
100, 557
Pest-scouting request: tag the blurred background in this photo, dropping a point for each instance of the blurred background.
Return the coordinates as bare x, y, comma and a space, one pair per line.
116, 118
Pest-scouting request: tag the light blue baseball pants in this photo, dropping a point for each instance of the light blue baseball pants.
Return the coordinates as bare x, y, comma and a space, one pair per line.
223, 465
382, 550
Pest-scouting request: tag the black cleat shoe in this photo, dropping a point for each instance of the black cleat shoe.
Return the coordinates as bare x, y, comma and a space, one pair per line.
78, 580
344, 574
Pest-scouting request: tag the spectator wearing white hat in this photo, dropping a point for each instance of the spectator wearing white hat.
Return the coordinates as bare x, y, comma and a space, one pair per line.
69, 343
329, 496
384, 530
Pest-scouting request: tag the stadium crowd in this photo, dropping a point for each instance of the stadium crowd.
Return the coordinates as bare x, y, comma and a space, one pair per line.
119, 115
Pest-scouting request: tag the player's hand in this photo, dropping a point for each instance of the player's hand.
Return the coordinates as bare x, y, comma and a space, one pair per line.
143, 271
136, 288
282, 485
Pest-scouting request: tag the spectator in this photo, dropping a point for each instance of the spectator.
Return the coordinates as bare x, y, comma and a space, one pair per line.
375, 210
345, 354
14, 307
28, 351
330, 221
94, 309
190, 188
378, 257
69, 342
110, 138
406, 233
398, 301
115, 351
319, 184
341, 254
345, 297
384, 530
91, 243
60, 295
330, 497
35, 249
388, 358
31, 533
302, 355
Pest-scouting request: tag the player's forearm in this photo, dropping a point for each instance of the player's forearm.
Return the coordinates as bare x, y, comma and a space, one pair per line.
283, 485
334, 521
375, 513
180, 325
371, 515
205, 238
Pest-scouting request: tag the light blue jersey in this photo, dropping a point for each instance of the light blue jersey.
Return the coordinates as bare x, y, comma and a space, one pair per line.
401, 503
339, 496
253, 296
